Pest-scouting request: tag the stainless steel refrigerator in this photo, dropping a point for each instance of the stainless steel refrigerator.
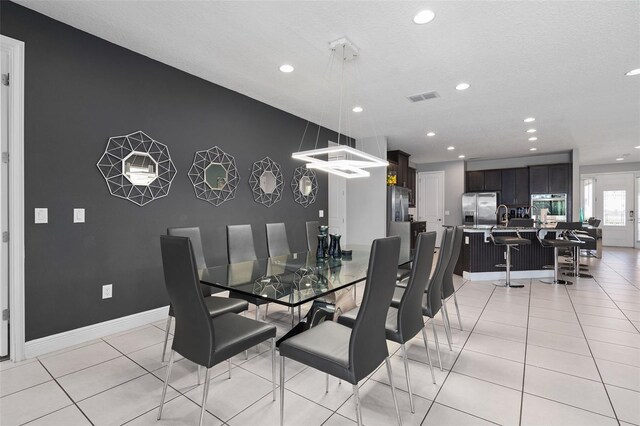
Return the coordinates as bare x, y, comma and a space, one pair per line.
397, 204
479, 208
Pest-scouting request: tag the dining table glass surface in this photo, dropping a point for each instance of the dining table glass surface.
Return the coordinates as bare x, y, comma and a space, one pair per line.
294, 279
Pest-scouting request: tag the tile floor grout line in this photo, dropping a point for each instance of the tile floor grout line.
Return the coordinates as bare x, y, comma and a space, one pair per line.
526, 341
66, 393
424, 419
24, 389
86, 368
45, 415
570, 405
594, 359
614, 302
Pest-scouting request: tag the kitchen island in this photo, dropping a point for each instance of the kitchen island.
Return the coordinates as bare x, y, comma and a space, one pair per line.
479, 256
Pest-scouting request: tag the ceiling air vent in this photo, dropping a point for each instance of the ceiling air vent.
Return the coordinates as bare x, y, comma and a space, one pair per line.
423, 96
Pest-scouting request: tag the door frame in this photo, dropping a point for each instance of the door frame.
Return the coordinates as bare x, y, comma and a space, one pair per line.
15, 49
441, 173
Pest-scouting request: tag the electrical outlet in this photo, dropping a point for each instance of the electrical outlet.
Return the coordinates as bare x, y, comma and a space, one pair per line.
321, 213
78, 215
41, 215
107, 291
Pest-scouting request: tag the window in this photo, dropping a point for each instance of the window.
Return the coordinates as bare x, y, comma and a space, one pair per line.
614, 208
587, 198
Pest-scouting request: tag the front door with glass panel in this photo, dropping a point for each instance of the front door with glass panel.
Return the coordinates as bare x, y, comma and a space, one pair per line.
615, 204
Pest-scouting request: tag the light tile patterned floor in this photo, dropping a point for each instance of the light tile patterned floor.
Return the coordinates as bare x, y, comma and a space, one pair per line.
540, 355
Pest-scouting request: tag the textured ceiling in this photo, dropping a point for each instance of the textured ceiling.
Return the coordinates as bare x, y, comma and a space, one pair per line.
562, 62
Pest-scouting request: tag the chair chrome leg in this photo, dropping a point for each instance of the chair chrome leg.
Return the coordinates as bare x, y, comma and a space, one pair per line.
455, 301
435, 337
246, 354
293, 317
257, 312
166, 337
426, 346
266, 311
281, 390
273, 366
205, 394
299, 313
166, 382
447, 325
198, 373
406, 372
326, 387
229, 362
393, 390
356, 397
355, 293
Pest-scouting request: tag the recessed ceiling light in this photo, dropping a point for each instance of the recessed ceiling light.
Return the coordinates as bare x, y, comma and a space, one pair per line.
620, 159
462, 86
357, 109
424, 17
637, 147
431, 134
533, 139
286, 68
533, 149
531, 131
634, 72
529, 120
451, 148
460, 156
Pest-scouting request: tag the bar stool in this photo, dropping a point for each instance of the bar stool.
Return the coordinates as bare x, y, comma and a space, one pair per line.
556, 244
579, 238
509, 241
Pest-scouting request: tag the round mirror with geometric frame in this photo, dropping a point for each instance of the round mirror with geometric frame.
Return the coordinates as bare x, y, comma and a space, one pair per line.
266, 182
304, 186
214, 176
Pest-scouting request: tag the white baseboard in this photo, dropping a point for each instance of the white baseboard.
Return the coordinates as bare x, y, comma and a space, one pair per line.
498, 275
37, 347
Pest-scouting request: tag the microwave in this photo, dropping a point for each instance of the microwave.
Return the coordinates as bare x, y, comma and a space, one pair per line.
556, 204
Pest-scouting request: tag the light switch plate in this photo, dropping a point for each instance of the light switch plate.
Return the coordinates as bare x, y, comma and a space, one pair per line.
466, 239
41, 215
447, 212
321, 213
78, 215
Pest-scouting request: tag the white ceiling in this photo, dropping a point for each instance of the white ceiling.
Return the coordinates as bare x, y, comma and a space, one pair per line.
562, 62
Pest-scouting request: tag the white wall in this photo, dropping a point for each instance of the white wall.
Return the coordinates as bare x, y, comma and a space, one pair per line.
367, 197
575, 183
509, 163
453, 188
610, 168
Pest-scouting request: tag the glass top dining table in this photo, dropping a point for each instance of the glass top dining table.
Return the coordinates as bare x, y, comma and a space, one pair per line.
293, 279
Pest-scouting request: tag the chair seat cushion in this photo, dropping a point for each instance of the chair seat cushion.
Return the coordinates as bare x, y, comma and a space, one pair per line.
221, 305
560, 243
235, 333
324, 347
391, 324
402, 274
509, 240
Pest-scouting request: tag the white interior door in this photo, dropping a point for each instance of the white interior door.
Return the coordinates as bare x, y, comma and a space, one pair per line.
337, 218
4, 209
430, 199
615, 205
637, 212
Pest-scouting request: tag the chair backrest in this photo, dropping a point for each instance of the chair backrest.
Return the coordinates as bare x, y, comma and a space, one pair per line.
402, 230
368, 345
240, 246
312, 234
433, 294
277, 243
447, 280
410, 320
194, 336
193, 233
569, 225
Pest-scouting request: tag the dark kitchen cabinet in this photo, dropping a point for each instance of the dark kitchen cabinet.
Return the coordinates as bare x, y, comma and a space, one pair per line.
475, 181
522, 186
539, 179
416, 229
411, 184
508, 192
560, 179
492, 180
401, 160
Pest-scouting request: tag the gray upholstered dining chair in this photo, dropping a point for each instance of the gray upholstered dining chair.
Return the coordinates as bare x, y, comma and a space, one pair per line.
448, 289
402, 230
312, 232
432, 299
199, 338
351, 354
216, 305
405, 322
240, 248
277, 243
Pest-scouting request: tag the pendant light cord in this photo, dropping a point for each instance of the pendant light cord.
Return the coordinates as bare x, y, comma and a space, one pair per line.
341, 90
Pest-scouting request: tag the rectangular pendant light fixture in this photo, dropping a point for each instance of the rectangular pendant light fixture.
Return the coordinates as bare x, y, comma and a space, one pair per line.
348, 162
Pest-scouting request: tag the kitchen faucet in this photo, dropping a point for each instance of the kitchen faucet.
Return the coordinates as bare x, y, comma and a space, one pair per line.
504, 221
531, 207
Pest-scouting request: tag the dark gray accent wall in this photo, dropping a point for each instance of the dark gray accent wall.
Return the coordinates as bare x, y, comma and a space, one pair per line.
79, 91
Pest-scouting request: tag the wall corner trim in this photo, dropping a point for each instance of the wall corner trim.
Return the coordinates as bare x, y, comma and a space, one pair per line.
37, 347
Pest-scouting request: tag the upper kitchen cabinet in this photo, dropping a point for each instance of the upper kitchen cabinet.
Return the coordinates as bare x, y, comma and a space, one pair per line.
515, 186
401, 161
475, 181
484, 180
522, 186
493, 180
411, 184
551, 179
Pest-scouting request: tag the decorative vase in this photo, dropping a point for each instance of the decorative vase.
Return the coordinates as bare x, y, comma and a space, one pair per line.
332, 245
337, 250
320, 251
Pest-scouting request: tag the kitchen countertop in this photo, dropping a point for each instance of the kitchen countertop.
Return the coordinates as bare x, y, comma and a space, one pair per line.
500, 228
